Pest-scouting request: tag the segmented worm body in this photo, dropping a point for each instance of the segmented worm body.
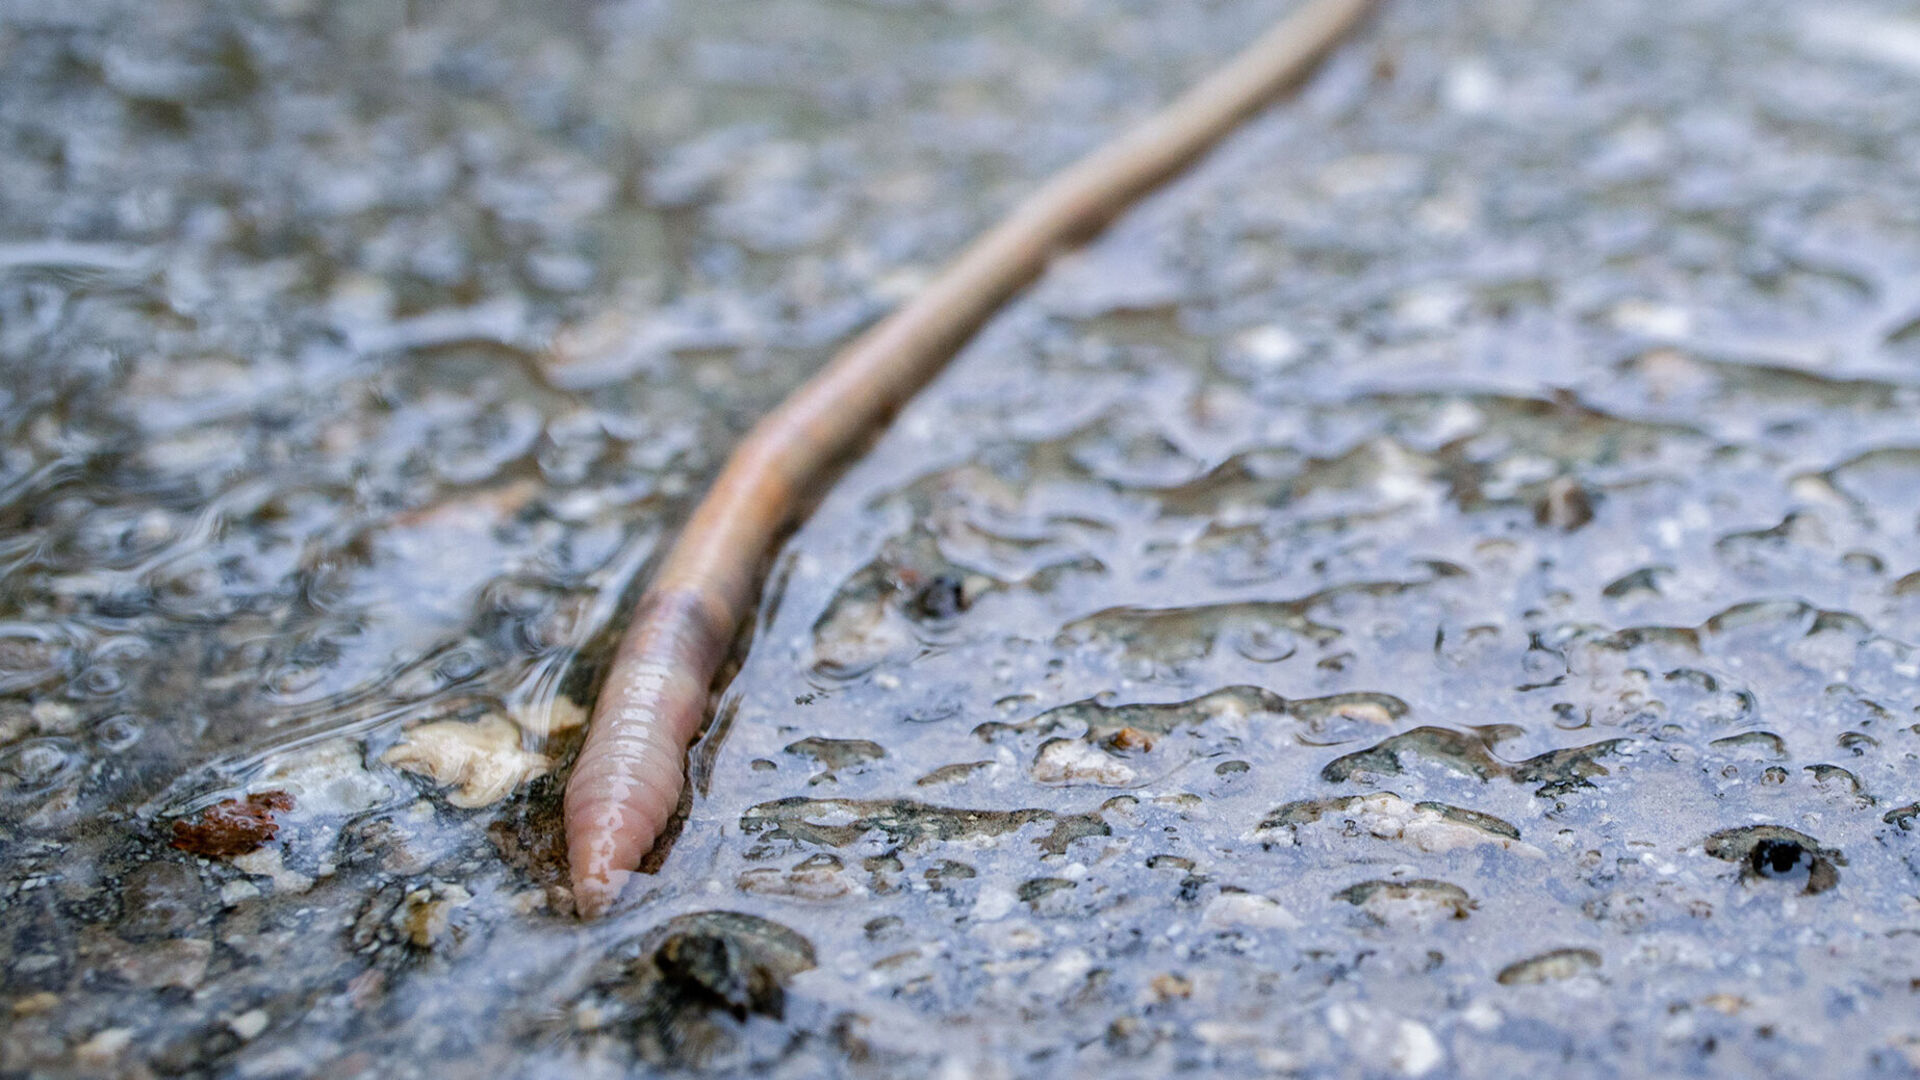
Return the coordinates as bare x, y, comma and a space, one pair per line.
631, 769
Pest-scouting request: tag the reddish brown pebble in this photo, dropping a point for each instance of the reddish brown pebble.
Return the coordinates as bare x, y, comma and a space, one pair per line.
232, 826
1130, 738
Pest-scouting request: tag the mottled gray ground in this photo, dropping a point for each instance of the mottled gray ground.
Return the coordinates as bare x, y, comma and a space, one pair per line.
1435, 592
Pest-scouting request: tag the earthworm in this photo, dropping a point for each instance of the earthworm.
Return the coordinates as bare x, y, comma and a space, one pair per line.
627, 779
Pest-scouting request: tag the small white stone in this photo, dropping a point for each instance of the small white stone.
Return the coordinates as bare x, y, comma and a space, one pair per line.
1387, 816
1269, 348
328, 778
55, 717
483, 761
1236, 910
1652, 319
269, 863
1066, 972
1415, 1051
1481, 1015
1070, 761
248, 1025
104, 1047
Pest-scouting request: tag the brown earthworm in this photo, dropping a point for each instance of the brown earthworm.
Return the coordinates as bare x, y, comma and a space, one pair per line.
627, 779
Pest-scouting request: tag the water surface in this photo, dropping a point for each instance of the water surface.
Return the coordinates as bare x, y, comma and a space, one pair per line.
1430, 593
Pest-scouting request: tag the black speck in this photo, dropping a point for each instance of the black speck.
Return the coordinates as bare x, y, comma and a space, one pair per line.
942, 597
1776, 858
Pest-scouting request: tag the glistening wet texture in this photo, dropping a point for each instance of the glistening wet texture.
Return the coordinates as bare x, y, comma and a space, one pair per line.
1433, 593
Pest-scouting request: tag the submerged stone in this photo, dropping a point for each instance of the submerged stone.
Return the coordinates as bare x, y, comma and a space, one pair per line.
1555, 966
1775, 852
842, 822
1424, 826
1417, 900
233, 826
667, 990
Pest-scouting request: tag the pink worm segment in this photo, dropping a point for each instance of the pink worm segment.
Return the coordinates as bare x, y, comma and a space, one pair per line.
628, 777
626, 782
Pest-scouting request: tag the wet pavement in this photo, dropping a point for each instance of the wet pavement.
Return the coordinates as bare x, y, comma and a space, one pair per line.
1433, 592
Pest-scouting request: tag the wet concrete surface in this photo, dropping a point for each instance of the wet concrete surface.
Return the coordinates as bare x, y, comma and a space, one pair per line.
1431, 593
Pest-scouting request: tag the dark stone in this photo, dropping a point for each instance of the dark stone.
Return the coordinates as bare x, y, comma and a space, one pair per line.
1775, 852
944, 596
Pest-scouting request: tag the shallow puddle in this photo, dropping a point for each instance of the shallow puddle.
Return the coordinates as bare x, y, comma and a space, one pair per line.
1433, 592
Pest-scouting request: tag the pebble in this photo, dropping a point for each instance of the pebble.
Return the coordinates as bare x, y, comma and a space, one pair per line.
1268, 348
427, 914
36, 1004
104, 1047
248, 1025
546, 718
327, 779
1069, 761
482, 761
1168, 986
1407, 1046
1235, 910
55, 717
269, 863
